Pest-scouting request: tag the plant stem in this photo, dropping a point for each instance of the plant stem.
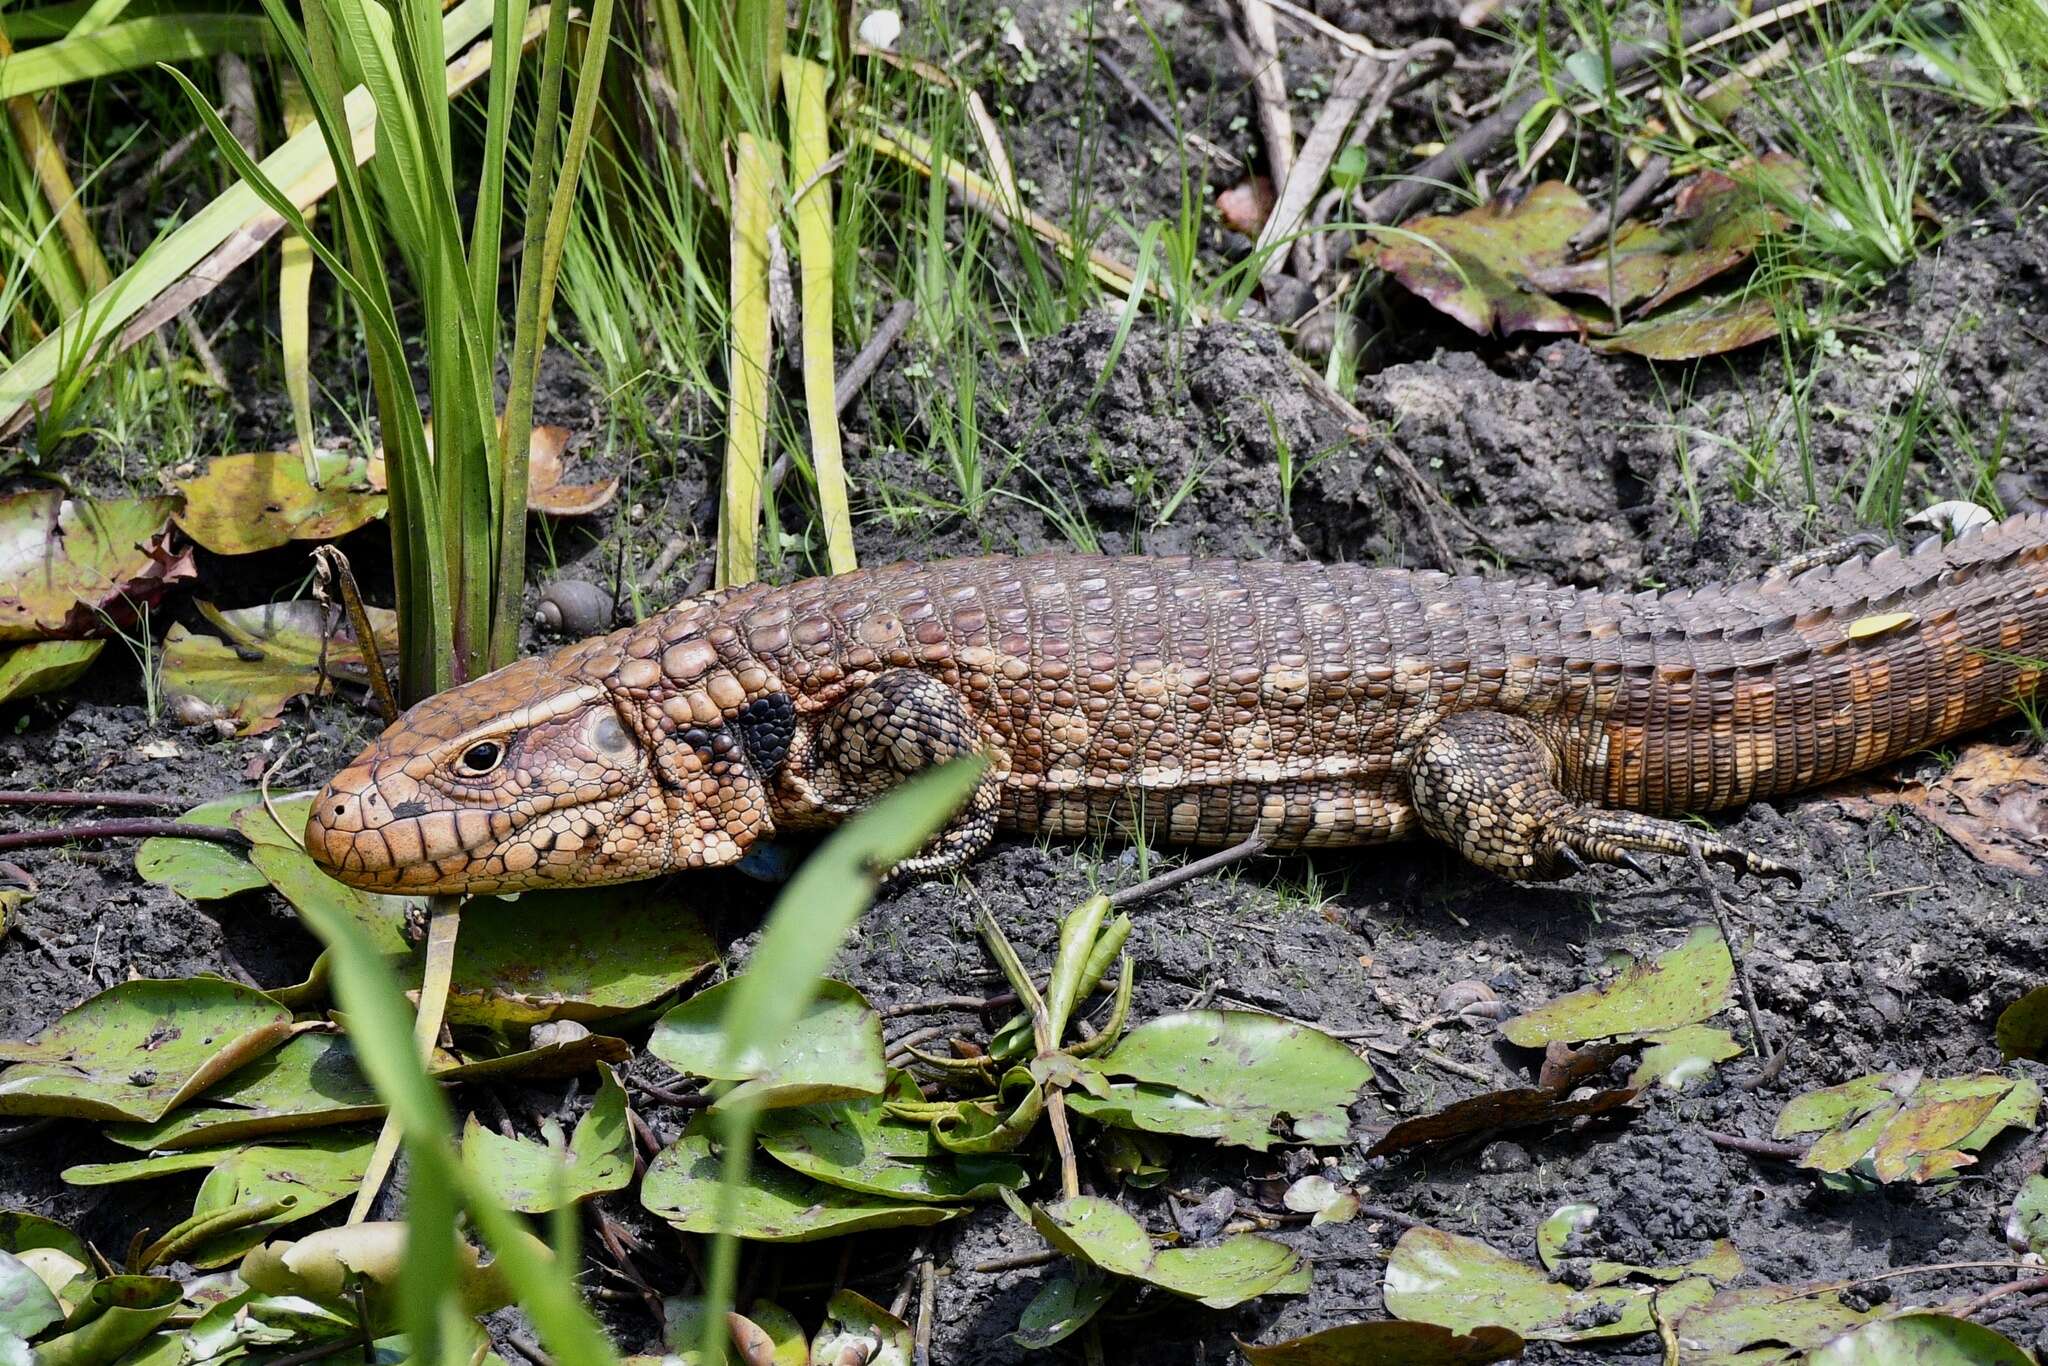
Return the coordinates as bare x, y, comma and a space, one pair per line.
141, 801
135, 829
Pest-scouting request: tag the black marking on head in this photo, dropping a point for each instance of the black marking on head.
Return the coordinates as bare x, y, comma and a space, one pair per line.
406, 810
766, 726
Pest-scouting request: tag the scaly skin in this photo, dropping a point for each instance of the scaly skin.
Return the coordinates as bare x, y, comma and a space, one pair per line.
1533, 727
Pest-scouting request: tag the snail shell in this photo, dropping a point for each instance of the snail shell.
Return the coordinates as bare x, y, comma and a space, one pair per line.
575, 607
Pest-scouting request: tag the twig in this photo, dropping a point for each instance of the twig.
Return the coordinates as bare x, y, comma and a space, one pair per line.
1318, 150
333, 566
1634, 195
1344, 38
1157, 112
1453, 1066
139, 801
1975, 1305
1765, 1049
1063, 1139
1152, 886
927, 1310
936, 1003
1261, 61
138, 828
1756, 1147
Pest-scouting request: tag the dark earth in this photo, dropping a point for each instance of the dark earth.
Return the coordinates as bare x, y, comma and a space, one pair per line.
1898, 951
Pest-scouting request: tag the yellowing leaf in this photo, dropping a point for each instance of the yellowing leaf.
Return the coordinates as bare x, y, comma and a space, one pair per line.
1681, 987
64, 561
270, 655
261, 500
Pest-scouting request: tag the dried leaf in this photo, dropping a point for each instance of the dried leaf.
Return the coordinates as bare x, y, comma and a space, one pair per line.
259, 501
64, 561
270, 655
1992, 801
1476, 265
1518, 1108
545, 491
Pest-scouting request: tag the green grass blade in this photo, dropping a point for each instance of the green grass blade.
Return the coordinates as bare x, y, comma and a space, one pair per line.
129, 46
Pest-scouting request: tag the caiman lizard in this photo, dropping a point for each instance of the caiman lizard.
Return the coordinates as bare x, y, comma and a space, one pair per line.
1533, 727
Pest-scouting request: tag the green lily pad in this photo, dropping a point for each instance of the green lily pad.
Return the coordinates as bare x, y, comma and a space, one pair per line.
1388, 1343
1925, 1338
1677, 1058
1259, 1066
855, 1145
537, 1177
201, 870
585, 954
21, 1232
26, 1305
312, 1082
1462, 1284
1708, 325
1163, 1110
1681, 987
140, 1049
145, 1168
854, 1319
267, 655
2023, 1027
64, 561
1764, 1325
2026, 1225
117, 1313
1101, 1233
1063, 1306
775, 1206
1554, 1234
43, 666
833, 1052
1901, 1127
260, 500
314, 1174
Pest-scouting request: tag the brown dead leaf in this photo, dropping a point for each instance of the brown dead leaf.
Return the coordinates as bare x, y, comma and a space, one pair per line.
1992, 801
1245, 206
1519, 1108
545, 491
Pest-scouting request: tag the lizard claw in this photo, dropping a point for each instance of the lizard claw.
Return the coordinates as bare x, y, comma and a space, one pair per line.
1635, 865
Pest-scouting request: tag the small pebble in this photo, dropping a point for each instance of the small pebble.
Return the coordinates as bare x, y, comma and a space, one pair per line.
1501, 1158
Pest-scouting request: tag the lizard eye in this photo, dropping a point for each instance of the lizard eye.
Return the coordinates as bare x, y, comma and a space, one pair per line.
482, 758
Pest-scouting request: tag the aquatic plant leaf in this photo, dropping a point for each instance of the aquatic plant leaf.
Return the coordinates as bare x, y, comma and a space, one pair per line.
1163, 1110
27, 1306
534, 1178
1260, 1067
22, 1232
775, 1206
1677, 1058
852, 1319
2023, 1027
1322, 1198
1475, 266
267, 655
116, 1314
312, 893
856, 1145
314, 1174
2026, 1224
64, 561
42, 666
1731, 1328
1921, 1338
1462, 1284
260, 500
1993, 801
201, 870
326, 1267
140, 1049
581, 954
1101, 1233
1388, 1342
310, 1083
833, 1052
1063, 1306
1708, 325
1680, 987
1902, 1127
1554, 1234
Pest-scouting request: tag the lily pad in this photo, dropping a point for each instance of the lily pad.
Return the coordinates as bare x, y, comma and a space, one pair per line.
43, 666
1063, 1306
584, 954
314, 1174
833, 1052
1101, 1233
1263, 1068
1388, 1343
537, 1177
1464, 1285
1902, 1127
313, 893
1163, 1110
2023, 1027
201, 869
266, 656
260, 500
27, 1306
775, 1206
312, 1082
1679, 1057
852, 1319
1925, 1338
1680, 987
1764, 1325
64, 561
1709, 325
855, 1145
140, 1049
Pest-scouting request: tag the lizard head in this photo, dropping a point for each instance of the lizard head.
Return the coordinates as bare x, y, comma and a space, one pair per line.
622, 757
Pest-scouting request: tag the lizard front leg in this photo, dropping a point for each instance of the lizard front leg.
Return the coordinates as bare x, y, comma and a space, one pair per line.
1485, 783
896, 725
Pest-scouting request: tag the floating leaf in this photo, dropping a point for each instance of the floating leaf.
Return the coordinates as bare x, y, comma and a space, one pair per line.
545, 491
240, 504
117, 1313
583, 954
1992, 800
269, 655
314, 1174
1462, 1284
1519, 1107
201, 870
1900, 1127
2023, 1027
64, 561
775, 1206
27, 1306
1677, 1058
1708, 325
1388, 1343
1163, 1110
537, 1177
140, 1049
44, 666
852, 1319
854, 1144
1063, 1306
1763, 1325
833, 1052
1103, 1234
1681, 987
1260, 1068
1922, 1338
310, 1083
1476, 265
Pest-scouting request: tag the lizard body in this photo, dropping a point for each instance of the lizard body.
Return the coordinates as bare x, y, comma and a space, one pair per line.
1534, 727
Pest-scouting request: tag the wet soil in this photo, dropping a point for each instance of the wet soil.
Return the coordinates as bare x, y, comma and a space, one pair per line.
1896, 952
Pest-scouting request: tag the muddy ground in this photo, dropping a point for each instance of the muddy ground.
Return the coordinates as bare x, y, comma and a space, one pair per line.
1897, 952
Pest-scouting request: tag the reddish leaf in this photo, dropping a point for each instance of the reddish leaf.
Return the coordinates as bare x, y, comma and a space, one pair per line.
64, 561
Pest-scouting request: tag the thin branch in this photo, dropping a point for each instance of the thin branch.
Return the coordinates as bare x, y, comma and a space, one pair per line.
1152, 886
138, 801
136, 829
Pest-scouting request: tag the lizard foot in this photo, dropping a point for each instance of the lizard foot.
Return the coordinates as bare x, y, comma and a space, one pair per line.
1486, 784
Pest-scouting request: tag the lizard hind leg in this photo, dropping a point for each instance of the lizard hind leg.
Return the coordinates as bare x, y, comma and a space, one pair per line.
896, 725
1485, 783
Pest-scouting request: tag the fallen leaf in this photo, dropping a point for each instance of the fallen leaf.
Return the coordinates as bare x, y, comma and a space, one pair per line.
1245, 206
1901, 1127
1764, 1325
1322, 1198
1677, 1058
1475, 266
240, 504
545, 491
1464, 1285
1063, 1306
1680, 987
834, 1052
269, 655
1519, 1108
2026, 1224
774, 1206
1992, 801
534, 1178
43, 666
1705, 326
2023, 1027
64, 561
1390, 1342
